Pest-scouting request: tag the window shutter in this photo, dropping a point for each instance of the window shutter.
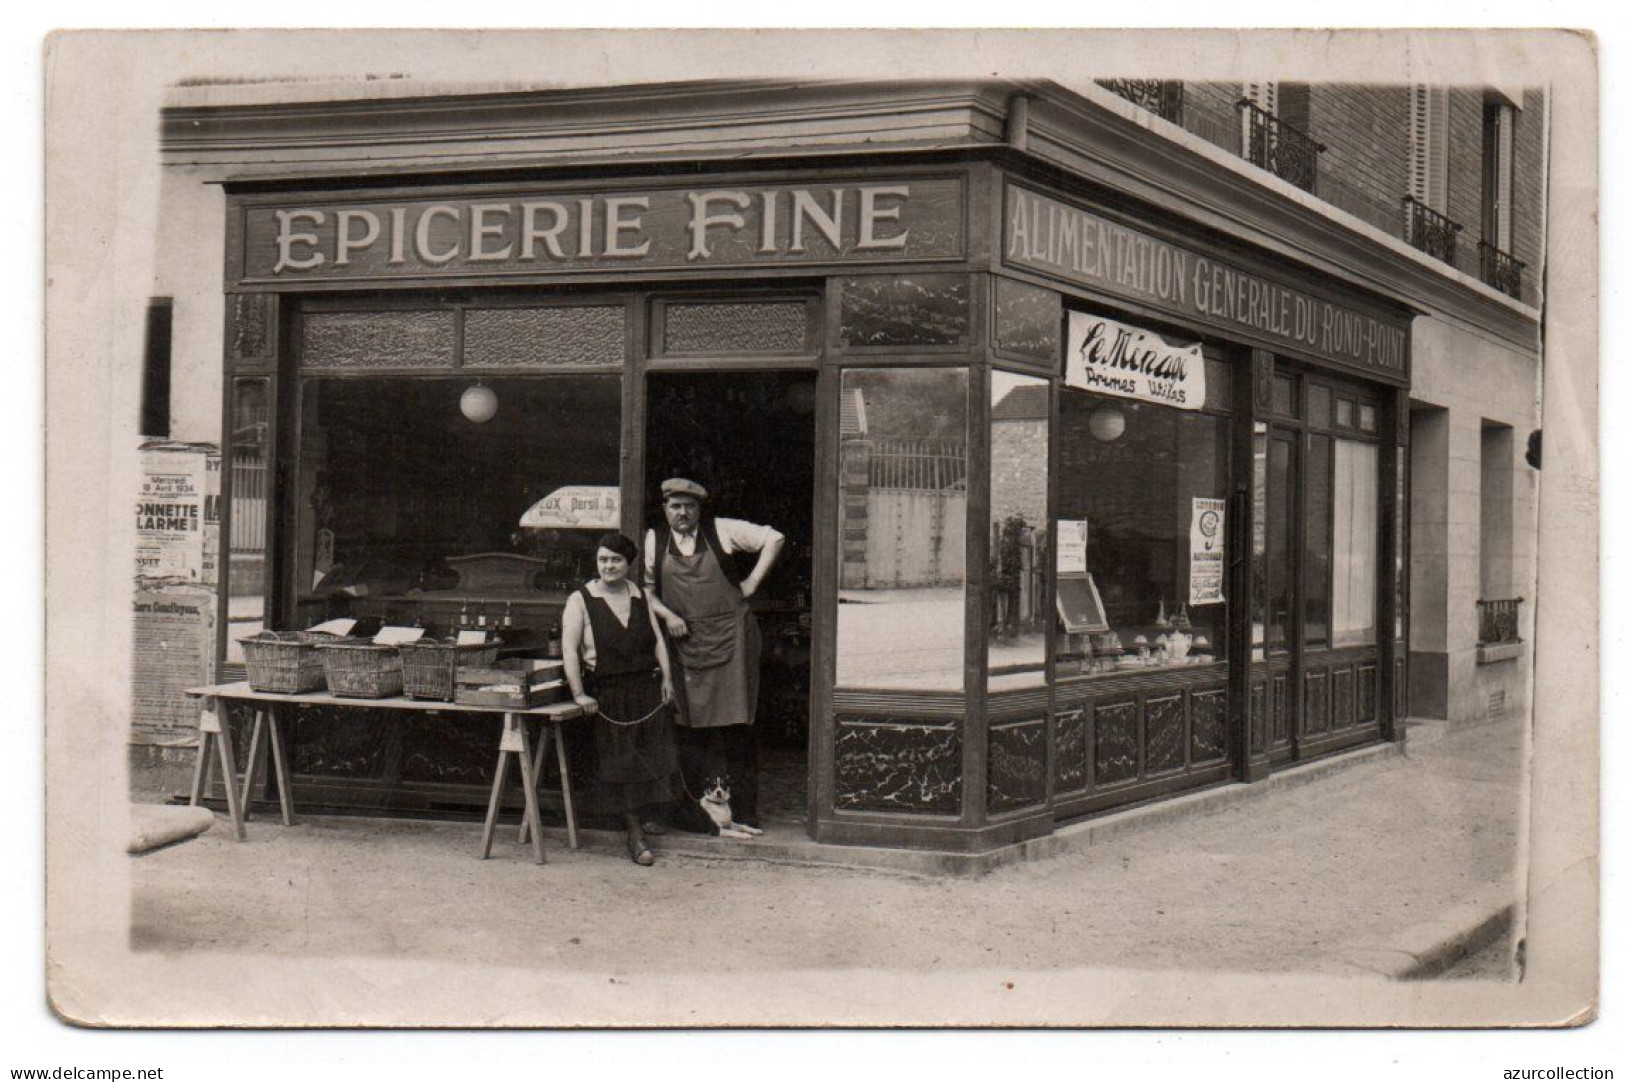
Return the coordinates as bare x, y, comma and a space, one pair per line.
1430, 141
1437, 192
1262, 95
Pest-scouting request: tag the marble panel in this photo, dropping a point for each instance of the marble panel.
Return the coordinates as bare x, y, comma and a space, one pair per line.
442, 748
339, 742
1210, 723
1072, 750
1117, 742
1164, 734
905, 310
1028, 321
253, 328
886, 765
1016, 767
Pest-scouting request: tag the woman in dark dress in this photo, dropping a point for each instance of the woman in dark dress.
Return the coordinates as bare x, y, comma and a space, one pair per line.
619, 673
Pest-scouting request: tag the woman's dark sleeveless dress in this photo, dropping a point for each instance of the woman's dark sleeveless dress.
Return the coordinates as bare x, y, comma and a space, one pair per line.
632, 736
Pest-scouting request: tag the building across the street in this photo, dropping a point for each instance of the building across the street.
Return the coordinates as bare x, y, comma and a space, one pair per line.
1127, 438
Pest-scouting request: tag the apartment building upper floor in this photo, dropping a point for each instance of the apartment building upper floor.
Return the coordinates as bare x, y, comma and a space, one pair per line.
1456, 172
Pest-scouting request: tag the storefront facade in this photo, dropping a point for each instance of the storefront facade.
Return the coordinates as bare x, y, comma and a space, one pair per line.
1089, 501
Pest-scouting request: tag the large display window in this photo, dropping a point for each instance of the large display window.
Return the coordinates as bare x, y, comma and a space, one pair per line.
1140, 536
901, 617
401, 481
1018, 543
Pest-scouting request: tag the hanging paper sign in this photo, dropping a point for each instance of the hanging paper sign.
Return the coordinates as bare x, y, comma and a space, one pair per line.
1071, 546
576, 507
1110, 358
1207, 551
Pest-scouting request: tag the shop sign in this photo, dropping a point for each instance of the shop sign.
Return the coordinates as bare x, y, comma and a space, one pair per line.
1207, 551
1110, 358
1066, 242
576, 507
556, 232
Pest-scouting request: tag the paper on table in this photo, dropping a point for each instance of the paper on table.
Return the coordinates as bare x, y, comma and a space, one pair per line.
341, 627
394, 636
471, 638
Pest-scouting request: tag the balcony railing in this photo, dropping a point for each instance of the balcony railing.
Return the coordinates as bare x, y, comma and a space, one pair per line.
1430, 231
1499, 269
1272, 144
1498, 622
1163, 97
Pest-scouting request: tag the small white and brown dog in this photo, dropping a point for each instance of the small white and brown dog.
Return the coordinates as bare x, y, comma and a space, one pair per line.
714, 799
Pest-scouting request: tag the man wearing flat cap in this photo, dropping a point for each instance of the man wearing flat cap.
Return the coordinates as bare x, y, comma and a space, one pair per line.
701, 589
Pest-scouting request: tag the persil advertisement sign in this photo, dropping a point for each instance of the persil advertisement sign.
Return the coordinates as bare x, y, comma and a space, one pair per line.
1105, 357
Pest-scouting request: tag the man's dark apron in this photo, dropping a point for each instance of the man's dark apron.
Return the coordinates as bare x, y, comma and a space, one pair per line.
721, 655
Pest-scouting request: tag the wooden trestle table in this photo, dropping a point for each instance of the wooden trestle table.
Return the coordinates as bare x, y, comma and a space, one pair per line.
215, 736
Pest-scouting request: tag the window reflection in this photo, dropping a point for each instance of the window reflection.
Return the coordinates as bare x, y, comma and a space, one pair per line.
250, 503
901, 619
1018, 548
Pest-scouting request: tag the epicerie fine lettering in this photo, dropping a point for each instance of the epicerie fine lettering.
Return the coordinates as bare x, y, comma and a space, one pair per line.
777, 221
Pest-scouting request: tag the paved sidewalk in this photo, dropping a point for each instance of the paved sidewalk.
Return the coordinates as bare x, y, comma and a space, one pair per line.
1396, 866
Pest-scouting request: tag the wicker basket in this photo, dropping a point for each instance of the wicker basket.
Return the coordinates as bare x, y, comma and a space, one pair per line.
285, 662
361, 669
429, 667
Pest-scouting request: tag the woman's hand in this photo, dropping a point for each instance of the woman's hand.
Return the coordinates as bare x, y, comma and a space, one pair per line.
587, 703
668, 694
676, 626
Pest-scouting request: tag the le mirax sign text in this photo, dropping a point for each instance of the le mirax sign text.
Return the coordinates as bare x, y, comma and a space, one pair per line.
557, 232
1110, 358
1067, 242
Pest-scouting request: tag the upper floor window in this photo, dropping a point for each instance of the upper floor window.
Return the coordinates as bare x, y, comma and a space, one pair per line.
1499, 119
1497, 265
1427, 226
1430, 147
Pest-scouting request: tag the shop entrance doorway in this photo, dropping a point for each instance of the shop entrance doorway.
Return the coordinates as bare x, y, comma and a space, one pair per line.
750, 439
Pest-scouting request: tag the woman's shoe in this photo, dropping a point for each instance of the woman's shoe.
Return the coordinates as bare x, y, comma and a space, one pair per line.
654, 827
640, 852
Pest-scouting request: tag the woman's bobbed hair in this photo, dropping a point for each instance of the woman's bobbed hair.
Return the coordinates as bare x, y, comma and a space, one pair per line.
621, 545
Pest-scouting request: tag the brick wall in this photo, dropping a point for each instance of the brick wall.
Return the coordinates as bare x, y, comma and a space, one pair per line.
1365, 167
1210, 113
1020, 465
1366, 164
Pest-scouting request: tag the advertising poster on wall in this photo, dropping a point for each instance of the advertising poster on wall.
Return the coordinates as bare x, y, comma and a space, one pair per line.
175, 513
177, 562
1207, 551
